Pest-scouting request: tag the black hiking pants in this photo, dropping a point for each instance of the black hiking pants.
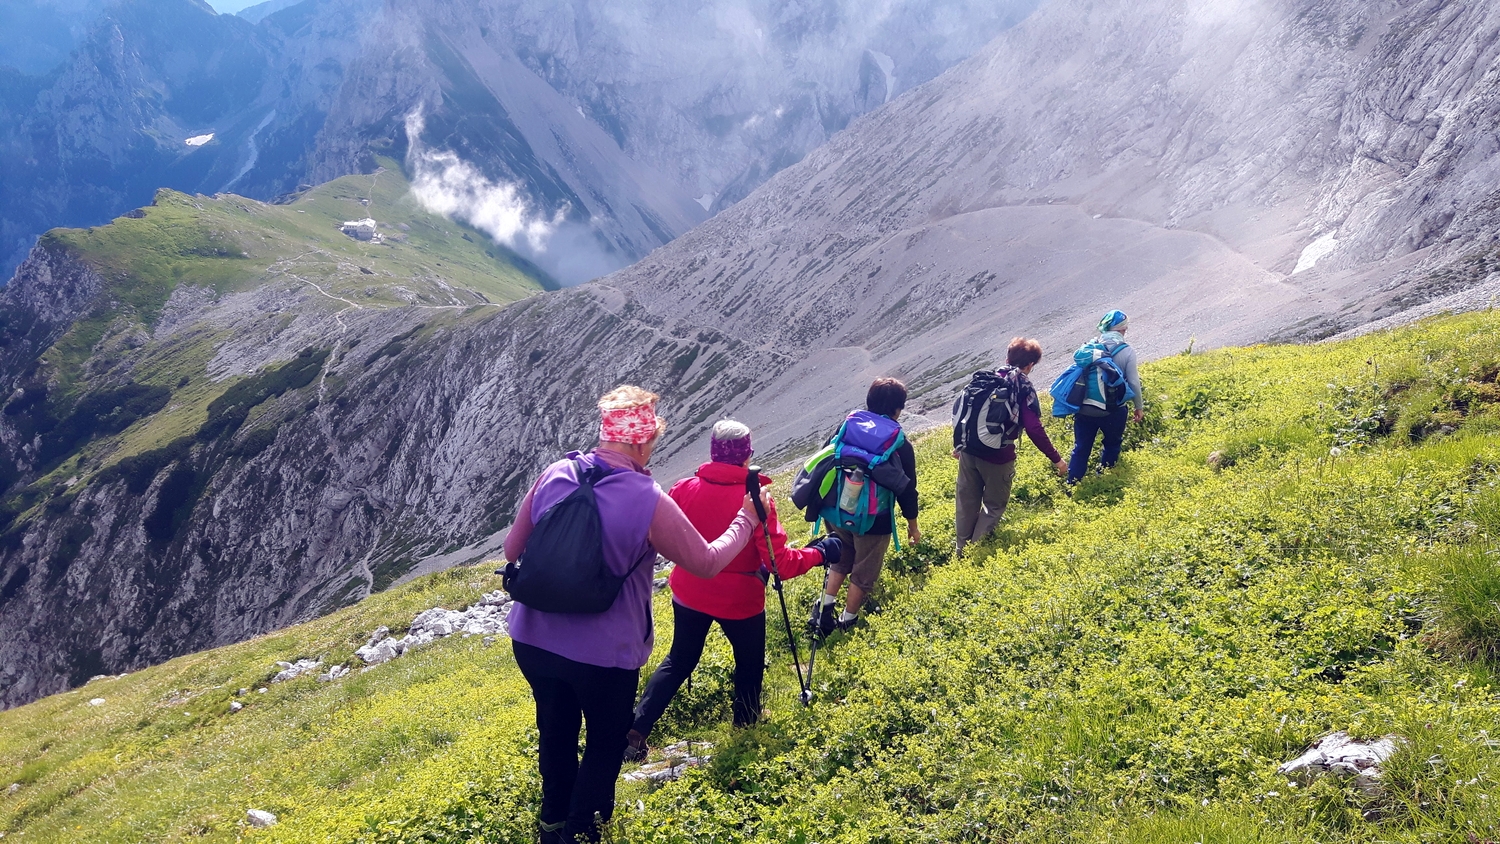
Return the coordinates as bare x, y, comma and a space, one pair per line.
747, 636
567, 695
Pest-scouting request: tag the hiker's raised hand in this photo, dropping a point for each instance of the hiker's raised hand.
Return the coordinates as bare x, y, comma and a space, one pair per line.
1062, 468
748, 508
913, 533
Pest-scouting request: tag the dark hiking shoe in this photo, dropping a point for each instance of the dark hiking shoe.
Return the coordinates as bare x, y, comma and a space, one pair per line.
846, 626
823, 619
550, 833
635, 747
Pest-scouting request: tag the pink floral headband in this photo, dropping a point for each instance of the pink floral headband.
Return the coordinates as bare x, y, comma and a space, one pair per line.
634, 425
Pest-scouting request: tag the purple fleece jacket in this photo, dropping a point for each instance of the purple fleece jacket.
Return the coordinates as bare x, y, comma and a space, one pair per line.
638, 521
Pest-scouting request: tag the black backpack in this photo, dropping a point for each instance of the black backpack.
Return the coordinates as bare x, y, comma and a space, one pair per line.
987, 414
562, 569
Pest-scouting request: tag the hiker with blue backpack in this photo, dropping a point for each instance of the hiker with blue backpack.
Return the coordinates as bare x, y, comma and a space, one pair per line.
853, 487
581, 553
988, 418
1099, 392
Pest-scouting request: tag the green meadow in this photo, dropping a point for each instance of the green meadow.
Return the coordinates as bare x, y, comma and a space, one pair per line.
1298, 540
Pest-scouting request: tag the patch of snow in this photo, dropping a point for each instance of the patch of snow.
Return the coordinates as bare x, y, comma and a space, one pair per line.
199, 140
707, 200
1316, 251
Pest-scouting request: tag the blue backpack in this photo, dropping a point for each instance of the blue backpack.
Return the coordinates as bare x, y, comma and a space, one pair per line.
858, 480
1094, 385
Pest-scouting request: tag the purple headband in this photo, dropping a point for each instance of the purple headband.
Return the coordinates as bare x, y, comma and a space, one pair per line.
733, 452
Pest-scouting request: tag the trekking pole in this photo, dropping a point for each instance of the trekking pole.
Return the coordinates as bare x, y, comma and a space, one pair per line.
812, 656
752, 486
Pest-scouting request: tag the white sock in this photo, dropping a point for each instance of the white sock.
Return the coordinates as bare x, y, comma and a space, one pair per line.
847, 616
828, 600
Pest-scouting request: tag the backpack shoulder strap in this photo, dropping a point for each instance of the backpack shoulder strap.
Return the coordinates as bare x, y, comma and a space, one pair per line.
896, 443
650, 553
838, 441
589, 475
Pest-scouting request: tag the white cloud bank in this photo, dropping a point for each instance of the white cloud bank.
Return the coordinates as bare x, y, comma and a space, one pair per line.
446, 184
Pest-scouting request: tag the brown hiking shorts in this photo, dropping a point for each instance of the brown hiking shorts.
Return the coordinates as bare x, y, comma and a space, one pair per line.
863, 557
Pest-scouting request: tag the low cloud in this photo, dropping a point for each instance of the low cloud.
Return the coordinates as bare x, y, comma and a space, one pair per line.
443, 183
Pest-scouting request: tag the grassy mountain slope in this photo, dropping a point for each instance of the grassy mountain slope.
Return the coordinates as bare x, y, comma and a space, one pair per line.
171, 350
1299, 540
205, 250
228, 244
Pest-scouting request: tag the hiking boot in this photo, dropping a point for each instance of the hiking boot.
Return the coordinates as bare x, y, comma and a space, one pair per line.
846, 626
550, 833
823, 620
635, 747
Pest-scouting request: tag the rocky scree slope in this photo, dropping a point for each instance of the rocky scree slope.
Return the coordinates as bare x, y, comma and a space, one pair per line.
611, 118
1289, 170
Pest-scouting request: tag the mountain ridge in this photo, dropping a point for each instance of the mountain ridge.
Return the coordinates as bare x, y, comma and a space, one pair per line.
572, 109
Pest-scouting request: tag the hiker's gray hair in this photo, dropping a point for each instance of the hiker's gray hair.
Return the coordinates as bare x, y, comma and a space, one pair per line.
729, 429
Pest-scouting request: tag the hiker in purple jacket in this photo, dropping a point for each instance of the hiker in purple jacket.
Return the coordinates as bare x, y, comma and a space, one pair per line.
586, 668
985, 479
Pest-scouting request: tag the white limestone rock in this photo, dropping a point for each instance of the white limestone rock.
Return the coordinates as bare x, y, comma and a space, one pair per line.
260, 819
1341, 754
293, 670
335, 673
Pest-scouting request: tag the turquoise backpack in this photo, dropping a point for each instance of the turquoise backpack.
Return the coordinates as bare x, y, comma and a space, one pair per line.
852, 496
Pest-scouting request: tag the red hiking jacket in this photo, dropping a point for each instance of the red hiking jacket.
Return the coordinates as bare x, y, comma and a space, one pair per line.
710, 499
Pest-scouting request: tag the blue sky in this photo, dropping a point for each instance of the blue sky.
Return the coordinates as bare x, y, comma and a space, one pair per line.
229, 7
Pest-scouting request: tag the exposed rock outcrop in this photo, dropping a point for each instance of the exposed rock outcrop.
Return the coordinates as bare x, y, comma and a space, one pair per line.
1343, 755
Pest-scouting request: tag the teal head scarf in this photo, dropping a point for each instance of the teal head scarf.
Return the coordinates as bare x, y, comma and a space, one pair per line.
1112, 321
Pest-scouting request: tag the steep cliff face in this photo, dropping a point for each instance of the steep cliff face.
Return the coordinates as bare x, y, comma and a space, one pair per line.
1289, 168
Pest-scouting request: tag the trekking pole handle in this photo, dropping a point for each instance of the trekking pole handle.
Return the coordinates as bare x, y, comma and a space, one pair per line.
752, 486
